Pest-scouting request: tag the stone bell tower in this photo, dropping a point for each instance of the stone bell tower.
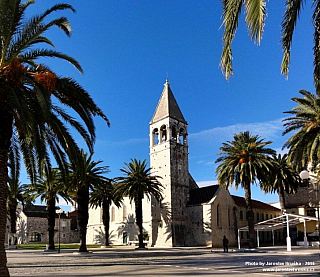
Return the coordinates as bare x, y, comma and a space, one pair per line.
169, 159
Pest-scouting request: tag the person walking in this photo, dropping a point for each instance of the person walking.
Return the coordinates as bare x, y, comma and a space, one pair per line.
225, 244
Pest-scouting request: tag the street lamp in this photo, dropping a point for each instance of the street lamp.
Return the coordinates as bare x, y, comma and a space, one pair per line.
304, 175
59, 212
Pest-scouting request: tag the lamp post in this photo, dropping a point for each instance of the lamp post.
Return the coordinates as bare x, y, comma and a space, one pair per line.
304, 175
59, 212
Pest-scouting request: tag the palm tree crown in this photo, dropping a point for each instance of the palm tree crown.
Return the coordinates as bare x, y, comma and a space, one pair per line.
282, 178
245, 159
304, 145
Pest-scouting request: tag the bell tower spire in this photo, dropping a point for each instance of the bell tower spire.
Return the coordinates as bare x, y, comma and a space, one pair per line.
169, 159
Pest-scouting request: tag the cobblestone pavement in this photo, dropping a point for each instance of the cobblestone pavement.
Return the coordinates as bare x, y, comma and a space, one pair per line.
271, 261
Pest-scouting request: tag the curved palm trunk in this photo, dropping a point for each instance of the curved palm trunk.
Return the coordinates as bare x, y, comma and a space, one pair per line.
5, 137
106, 221
139, 218
83, 214
51, 207
247, 189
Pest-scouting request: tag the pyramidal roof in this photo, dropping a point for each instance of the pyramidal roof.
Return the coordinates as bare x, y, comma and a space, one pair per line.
167, 106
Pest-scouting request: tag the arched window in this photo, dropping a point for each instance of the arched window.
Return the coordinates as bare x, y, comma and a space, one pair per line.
113, 214
218, 216
155, 136
229, 218
163, 133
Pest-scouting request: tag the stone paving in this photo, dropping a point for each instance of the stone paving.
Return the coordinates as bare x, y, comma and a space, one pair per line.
128, 261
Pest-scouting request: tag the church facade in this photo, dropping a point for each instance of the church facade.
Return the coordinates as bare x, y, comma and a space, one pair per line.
188, 215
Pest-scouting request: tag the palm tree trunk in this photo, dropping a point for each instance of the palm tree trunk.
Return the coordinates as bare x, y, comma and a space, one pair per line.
13, 215
281, 199
247, 189
5, 138
13, 219
51, 207
83, 214
139, 218
106, 221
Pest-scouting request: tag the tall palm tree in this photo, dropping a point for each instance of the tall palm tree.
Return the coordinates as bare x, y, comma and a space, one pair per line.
49, 187
244, 161
137, 183
103, 195
85, 175
255, 21
282, 178
304, 144
30, 119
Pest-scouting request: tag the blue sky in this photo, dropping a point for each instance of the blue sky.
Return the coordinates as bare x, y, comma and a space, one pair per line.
128, 48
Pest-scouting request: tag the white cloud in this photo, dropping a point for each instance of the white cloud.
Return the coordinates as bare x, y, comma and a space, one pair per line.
266, 130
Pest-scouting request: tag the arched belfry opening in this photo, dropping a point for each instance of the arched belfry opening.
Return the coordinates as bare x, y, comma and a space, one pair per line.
182, 136
163, 133
173, 134
155, 136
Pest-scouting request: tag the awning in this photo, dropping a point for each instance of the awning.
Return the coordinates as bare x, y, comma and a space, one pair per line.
280, 222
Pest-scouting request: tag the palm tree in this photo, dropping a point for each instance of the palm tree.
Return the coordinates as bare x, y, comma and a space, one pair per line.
304, 145
244, 161
85, 175
282, 179
48, 187
102, 196
30, 119
255, 20
137, 183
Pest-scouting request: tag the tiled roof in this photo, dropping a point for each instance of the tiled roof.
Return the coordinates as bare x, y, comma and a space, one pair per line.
202, 195
240, 201
167, 106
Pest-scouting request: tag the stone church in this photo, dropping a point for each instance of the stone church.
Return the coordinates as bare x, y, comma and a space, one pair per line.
188, 215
